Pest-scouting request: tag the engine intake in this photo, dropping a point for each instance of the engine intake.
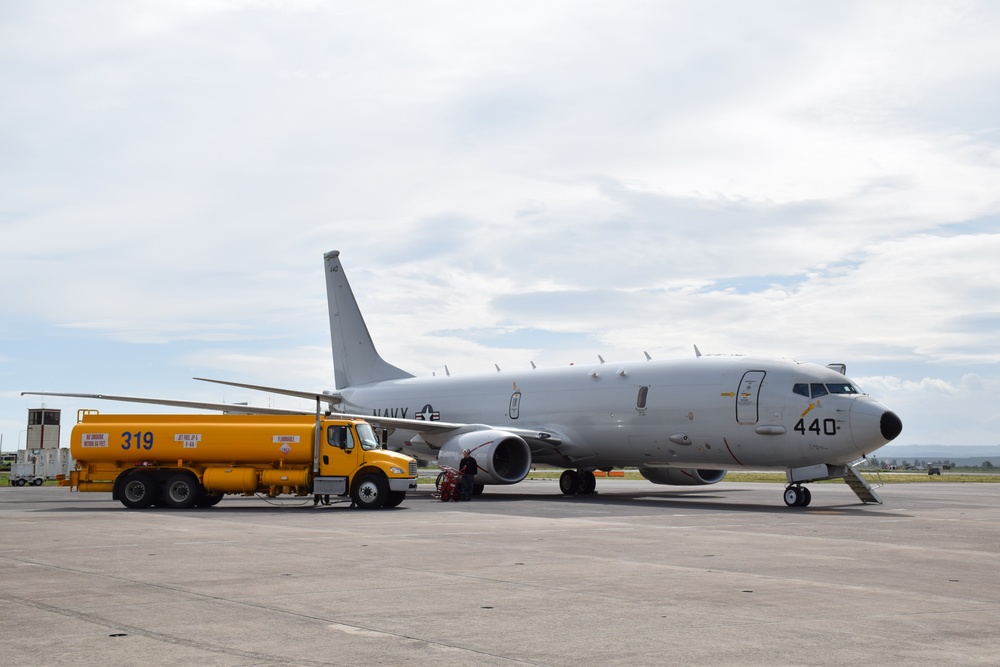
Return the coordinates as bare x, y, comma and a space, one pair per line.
503, 458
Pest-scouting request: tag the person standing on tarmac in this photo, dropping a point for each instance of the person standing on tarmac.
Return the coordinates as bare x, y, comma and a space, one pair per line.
468, 467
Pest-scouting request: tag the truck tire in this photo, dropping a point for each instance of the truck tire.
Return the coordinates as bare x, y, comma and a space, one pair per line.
139, 491
182, 491
37, 481
370, 492
20, 482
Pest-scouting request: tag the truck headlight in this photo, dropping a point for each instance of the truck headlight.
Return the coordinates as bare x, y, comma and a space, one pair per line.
395, 470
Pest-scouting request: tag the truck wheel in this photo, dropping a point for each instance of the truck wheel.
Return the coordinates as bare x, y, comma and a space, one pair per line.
139, 491
182, 491
37, 481
370, 492
20, 482
395, 497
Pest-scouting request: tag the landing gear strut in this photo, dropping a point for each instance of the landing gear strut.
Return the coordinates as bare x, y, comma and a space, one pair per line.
797, 496
572, 482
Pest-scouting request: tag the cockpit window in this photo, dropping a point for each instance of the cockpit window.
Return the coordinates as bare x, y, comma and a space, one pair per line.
817, 389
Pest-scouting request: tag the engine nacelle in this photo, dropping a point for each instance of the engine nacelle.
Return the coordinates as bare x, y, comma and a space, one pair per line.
503, 458
682, 476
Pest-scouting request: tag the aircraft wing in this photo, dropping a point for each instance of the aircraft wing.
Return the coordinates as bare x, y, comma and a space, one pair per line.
329, 398
536, 438
198, 405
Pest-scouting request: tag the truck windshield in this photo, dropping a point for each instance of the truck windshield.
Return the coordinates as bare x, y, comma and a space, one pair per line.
367, 437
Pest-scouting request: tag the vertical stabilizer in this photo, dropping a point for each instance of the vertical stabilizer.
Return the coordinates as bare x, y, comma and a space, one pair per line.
355, 360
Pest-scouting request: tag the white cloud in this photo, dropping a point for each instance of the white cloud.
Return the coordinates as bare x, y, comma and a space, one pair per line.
815, 180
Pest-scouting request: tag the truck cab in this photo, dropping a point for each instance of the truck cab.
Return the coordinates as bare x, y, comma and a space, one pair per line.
356, 451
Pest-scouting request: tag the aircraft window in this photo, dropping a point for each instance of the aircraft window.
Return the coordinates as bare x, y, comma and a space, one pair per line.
841, 388
818, 389
367, 436
801, 389
640, 401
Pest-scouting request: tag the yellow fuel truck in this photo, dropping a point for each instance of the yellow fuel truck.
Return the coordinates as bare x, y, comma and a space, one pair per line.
183, 461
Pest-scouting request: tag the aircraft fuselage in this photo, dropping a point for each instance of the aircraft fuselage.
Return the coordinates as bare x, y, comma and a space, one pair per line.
706, 412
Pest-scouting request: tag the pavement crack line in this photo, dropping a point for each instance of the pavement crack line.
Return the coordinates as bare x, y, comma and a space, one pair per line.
172, 639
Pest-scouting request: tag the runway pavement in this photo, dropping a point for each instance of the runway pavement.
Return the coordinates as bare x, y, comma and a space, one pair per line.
636, 575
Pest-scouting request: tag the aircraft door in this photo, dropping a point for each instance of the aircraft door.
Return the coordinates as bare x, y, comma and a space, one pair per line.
747, 397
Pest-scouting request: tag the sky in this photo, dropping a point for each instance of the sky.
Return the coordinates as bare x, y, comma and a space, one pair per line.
507, 183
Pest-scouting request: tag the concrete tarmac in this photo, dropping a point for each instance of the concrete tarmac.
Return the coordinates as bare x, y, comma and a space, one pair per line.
637, 575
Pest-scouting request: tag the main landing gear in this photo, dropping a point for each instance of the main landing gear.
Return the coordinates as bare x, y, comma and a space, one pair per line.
797, 496
573, 482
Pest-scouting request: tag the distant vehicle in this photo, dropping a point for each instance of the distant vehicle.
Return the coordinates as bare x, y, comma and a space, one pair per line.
34, 466
933, 470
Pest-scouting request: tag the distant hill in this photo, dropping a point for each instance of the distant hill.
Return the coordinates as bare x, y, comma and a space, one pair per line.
971, 455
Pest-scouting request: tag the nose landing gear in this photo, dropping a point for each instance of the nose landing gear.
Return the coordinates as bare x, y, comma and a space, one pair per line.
797, 496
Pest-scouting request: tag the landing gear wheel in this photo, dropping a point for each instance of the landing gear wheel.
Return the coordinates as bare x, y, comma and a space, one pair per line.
570, 482
370, 492
182, 491
477, 489
139, 490
588, 483
797, 496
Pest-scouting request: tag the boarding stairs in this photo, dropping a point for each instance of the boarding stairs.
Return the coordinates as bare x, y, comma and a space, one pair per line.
862, 489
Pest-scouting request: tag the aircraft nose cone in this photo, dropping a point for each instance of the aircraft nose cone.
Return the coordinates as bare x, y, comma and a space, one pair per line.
872, 425
890, 425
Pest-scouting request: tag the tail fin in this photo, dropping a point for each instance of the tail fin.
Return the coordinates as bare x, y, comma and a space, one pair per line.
355, 360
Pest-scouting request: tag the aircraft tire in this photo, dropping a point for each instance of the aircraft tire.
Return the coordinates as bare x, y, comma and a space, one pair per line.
797, 496
588, 483
477, 489
569, 482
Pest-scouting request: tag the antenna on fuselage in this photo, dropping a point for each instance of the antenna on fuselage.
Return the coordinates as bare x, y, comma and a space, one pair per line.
697, 352
648, 358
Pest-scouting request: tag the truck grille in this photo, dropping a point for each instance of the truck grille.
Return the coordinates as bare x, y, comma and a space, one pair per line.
413, 468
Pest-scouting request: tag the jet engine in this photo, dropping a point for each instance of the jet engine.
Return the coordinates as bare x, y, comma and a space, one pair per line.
682, 476
503, 458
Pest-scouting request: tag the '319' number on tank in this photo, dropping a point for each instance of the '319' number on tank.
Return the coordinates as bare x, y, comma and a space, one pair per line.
141, 440
829, 427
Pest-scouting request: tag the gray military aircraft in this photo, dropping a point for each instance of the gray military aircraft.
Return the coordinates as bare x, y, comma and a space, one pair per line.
680, 422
